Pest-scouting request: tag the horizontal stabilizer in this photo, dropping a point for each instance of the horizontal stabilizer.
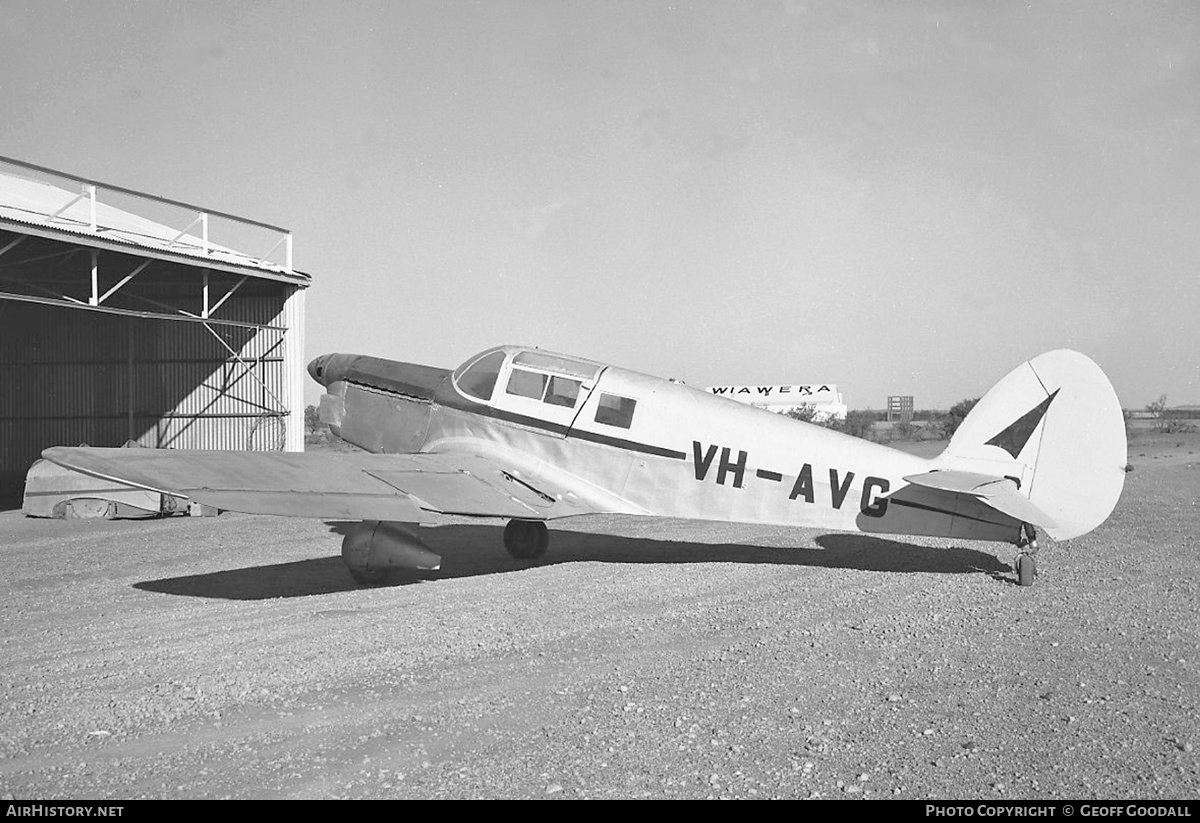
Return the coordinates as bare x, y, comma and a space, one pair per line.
998, 492
953, 481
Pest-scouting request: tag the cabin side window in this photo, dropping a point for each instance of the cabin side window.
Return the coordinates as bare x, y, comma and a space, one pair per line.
615, 411
479, 379
562, 391
553, 389
526, 384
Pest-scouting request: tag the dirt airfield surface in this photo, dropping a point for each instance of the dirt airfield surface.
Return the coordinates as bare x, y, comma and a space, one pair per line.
234, 657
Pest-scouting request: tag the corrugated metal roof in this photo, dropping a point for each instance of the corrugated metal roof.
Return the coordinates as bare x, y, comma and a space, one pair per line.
30, 206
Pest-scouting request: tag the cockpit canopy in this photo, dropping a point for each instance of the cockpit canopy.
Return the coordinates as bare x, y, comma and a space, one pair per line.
553, 380
477, 377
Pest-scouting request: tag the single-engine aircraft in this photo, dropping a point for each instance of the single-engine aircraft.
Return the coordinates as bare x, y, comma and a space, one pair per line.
532, 436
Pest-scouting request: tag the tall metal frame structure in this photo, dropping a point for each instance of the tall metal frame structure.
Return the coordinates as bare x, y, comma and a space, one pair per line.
114, 299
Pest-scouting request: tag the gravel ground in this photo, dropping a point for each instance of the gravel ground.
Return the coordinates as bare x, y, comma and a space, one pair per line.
233, 657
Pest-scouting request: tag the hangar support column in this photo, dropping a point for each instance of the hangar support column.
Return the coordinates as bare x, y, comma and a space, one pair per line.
293, 311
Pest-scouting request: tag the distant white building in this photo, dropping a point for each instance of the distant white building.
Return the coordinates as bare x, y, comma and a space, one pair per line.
824, 398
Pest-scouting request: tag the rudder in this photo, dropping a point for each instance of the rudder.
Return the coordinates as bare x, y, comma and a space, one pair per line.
1054, 424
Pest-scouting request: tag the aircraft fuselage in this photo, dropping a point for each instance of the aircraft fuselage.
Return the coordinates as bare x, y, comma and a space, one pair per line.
628, 442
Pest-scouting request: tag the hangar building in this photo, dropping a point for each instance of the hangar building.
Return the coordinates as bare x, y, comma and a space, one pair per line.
125, 316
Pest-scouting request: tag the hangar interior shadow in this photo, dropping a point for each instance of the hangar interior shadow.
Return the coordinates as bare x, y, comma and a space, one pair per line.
475, 550
74, 377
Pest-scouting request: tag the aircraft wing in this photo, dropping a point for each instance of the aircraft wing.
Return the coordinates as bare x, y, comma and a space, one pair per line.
998, 492
351, 486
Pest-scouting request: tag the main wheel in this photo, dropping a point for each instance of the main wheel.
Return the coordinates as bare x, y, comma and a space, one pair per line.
1026, 569
526, 539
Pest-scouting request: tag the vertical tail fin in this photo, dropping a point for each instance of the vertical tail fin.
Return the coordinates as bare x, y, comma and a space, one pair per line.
1055, 425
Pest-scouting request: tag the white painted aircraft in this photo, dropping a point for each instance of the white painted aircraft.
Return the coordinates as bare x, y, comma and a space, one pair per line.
532, 436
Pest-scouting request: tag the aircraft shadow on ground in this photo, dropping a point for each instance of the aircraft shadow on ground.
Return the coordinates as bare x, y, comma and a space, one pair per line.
323, 575
475, 550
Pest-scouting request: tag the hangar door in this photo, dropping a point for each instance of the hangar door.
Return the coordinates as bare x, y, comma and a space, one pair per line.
71, 376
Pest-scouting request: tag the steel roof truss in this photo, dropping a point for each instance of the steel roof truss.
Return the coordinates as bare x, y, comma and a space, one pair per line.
208, 312
13, 243
89, 191
123, 281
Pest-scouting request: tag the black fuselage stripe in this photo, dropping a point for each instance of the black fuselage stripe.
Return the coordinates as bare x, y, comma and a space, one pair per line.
630, 445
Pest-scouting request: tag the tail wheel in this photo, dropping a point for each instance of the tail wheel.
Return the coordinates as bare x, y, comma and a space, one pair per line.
526, 539
1026, 563
1026, 569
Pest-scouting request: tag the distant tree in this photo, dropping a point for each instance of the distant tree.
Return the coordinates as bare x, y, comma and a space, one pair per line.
314, 430
1158, 410
957, 414
312, 420
858, 423
935, 429
804, 413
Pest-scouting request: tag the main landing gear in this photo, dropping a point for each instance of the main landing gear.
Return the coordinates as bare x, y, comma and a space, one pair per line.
1026, 563
526, 539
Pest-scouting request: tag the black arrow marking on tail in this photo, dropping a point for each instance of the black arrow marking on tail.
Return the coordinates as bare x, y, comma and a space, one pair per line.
1014, 436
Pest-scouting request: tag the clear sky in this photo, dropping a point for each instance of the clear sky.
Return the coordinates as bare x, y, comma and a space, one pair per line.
902, 198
